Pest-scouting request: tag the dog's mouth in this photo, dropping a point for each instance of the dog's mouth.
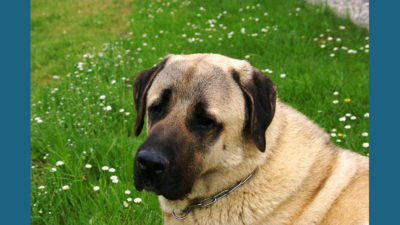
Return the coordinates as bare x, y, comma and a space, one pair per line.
161, 187
151, 189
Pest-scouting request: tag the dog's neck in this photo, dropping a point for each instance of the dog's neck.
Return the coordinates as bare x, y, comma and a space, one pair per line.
210, 200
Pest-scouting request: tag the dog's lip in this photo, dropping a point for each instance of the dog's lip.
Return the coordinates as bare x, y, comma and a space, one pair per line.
150, 188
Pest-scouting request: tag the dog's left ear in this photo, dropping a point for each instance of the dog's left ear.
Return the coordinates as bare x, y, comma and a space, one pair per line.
141, 86
260, 95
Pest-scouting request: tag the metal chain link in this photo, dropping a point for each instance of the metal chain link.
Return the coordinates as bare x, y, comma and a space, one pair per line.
211, 200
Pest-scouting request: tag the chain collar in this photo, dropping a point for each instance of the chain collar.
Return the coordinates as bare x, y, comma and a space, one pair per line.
210, 200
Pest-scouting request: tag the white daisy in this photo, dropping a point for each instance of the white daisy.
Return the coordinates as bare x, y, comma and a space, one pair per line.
104, 168
65, 187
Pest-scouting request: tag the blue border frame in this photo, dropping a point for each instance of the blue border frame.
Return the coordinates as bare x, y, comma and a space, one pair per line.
384, 111
15, 112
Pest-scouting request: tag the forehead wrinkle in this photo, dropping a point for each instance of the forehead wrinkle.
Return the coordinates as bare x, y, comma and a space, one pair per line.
193, 81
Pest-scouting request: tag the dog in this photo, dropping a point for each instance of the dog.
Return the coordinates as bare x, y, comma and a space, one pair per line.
221, 148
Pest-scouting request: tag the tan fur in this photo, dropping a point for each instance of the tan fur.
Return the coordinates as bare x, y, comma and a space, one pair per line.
301, 178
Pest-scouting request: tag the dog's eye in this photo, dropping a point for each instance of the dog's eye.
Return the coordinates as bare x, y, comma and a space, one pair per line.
158, 109
205, 123
155, 110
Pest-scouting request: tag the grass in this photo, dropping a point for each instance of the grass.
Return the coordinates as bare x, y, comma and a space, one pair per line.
61, 31
87, 116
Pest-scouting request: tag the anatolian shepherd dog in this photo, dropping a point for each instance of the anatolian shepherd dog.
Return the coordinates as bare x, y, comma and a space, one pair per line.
221, 148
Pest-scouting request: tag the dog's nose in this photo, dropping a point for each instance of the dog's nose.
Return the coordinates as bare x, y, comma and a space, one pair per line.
151, 163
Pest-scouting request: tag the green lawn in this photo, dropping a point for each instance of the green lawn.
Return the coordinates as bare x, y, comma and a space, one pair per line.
61, 31
87, 116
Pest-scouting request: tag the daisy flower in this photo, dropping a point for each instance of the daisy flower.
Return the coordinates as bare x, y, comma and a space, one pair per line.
65, 187
96, 188
59, 163
104, 168
137, 200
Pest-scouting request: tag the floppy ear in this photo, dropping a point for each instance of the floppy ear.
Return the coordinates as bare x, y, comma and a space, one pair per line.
260, 95
141, 85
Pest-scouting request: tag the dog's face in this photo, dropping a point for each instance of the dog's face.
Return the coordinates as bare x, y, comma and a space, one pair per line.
201, 111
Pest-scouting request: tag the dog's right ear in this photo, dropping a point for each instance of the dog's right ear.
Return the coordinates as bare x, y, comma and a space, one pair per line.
141, 86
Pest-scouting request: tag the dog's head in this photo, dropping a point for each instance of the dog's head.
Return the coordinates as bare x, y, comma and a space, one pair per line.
202, 109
